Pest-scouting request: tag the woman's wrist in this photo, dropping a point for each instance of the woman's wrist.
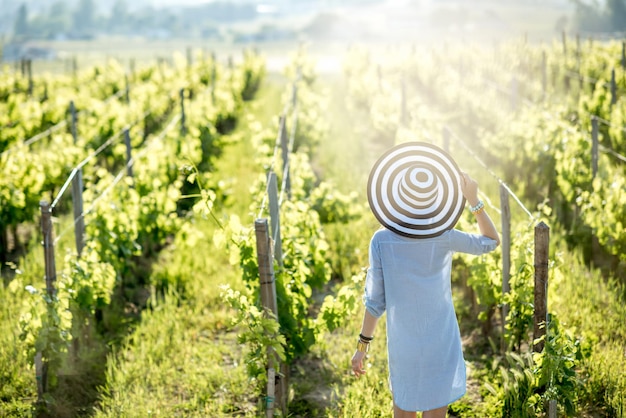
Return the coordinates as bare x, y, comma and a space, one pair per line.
473, 201
478, 207
363, 344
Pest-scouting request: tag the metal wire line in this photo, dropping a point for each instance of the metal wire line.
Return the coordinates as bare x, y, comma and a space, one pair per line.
117, 178
491, 172
97, 152
530, 103
54, 128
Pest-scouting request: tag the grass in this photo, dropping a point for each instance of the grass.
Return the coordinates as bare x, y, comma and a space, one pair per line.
18, 389
17, 374
183, 358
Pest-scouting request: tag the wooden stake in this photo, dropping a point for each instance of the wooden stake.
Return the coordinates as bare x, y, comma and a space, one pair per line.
552, 408
79, 221
183, 128
48, 247
39, 376
542, 245
126, 89
594, 146
29, 69
73, 122
613, 88
41, 366
506, 254
272, 190
271, 391
284, 145
129, 166
268, 300
266, 266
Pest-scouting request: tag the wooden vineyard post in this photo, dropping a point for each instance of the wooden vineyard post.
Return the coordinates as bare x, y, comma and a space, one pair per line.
284, 146
183, 128
48, 247
294, 89
73, 121
542, 244
126, 89
77, 192
506, 256
268, 300
623, 61
79, 221
41, 366
594, 146
132, 65
613, 88
272, 189
129, 157
29, 69
552, 408
294, 118
271, 392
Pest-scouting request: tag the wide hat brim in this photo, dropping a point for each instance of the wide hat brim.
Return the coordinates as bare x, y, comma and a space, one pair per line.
414, 189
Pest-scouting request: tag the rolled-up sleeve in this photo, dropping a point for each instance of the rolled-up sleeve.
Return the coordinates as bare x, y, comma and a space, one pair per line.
471, 243
374, 297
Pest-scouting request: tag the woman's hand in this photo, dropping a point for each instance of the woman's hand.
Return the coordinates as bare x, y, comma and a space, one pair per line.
469, 188
357, 363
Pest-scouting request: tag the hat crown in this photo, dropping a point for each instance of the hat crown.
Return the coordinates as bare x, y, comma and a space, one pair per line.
419, 182
414, 190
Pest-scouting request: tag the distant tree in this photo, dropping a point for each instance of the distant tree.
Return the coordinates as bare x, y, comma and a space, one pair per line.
120, 17
617, 14
59, 20
84, 17
21, 29
601, 16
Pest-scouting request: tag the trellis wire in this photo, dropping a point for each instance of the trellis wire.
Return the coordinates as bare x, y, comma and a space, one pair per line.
117, 178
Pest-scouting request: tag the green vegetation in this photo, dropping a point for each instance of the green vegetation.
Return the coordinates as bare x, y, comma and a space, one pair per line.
160, 315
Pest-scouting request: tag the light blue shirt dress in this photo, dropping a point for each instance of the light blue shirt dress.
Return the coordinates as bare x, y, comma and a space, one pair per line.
410, 279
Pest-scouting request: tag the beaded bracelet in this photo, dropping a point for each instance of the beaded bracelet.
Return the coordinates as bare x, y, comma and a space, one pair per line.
478, 208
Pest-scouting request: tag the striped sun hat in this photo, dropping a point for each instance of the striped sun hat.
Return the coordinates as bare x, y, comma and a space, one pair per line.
414, 189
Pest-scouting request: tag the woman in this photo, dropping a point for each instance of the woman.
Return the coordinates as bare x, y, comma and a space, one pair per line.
418, 194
